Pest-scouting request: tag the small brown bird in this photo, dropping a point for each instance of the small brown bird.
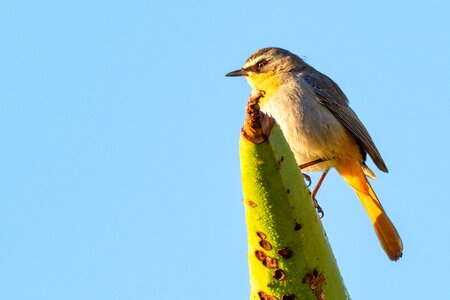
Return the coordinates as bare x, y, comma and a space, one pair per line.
321, 128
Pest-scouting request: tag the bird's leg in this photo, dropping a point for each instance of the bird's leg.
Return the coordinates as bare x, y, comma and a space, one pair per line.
316, 189
319, 183
309, 164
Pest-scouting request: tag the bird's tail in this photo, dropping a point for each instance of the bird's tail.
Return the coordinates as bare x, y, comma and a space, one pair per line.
385, 230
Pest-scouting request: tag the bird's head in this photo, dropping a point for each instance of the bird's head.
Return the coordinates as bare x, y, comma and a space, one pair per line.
266, 68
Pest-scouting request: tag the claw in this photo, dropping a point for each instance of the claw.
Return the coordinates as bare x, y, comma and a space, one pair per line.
314, 193
318, 208
307, 179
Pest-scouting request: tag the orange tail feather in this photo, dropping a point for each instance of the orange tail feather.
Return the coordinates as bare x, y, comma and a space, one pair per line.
385, 230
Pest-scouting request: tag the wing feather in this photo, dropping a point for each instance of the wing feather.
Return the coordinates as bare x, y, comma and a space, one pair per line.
334, 99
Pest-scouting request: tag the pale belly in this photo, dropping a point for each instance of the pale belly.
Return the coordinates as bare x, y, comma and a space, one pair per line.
311, 129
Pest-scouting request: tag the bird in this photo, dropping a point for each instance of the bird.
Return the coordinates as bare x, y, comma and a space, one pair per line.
321, 129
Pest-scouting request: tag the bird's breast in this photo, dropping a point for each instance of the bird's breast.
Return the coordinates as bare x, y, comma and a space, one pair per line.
310, 128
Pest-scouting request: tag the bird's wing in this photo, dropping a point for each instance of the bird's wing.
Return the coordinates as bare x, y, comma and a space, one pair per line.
334, 99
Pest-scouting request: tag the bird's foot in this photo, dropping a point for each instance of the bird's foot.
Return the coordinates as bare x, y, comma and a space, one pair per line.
307, 179
318, 208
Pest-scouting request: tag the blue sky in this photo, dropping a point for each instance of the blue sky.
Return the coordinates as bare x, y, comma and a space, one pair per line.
119, 143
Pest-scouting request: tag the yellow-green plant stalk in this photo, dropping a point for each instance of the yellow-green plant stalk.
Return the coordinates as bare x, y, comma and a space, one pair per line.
288, 253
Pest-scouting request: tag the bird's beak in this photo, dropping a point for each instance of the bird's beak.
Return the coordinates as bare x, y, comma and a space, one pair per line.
240, 72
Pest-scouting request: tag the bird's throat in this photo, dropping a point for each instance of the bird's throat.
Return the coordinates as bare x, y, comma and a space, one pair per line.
267, 82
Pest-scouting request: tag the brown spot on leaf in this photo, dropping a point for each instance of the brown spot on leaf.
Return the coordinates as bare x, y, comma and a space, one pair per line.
264, 296
263, 242
261, 235
285, 252
278, 164
261, 256
271, 262
251, 203
315, 281
279, 274
288, 297
298, 226
288, 191
265, 245
268, 261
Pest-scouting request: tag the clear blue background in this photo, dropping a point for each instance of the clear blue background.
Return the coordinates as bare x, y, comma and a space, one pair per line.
119, 167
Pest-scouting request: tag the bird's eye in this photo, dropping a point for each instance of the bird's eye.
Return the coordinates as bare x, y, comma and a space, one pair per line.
261, 64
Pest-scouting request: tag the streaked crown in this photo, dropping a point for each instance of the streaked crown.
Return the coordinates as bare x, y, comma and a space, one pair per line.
273, 59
